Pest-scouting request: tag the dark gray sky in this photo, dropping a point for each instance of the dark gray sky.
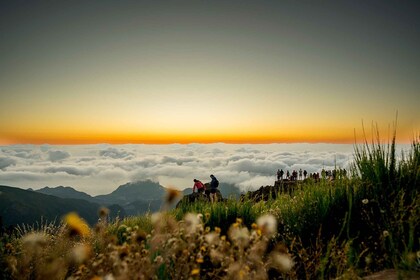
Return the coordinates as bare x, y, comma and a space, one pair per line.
117, 65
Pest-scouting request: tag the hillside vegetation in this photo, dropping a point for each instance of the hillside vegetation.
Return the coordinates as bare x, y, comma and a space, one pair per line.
348, 228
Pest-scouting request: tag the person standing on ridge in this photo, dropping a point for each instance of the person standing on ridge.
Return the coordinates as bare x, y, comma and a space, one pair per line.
199, 186
214, 184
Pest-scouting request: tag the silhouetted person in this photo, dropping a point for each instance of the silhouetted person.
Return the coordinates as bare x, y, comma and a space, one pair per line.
287, 174
305, 173
300, 174
214, 184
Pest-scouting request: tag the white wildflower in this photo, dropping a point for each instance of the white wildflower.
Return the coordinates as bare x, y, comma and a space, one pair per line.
239, 235
191, 222
80, 253
365, 201
156, 218
268, 224
211, 237
34, 239
280, 261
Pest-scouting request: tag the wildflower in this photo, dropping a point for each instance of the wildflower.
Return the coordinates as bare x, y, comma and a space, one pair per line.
109, 277
103, 212
158, 259
9, 248
385, 233
254, 226
239, 235
191, 222
418, 254
207, 215
140, 236
280, 261
268, 224
76, 225
365, 201
195, 272
156, 218
200, 216
34, 239
199, 260
216, 256
171, 195
239, 220
203, 248
217, 230
211, 237
80, 253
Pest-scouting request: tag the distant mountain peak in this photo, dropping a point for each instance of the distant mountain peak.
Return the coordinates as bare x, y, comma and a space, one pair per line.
64, 192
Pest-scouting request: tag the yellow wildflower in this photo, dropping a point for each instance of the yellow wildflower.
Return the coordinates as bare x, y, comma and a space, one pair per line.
76, 225
195, 271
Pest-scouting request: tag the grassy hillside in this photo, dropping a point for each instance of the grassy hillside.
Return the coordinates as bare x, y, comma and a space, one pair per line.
346, 228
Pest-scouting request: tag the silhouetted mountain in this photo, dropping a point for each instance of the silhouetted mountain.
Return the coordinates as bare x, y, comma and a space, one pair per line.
229, 190
139, 207
187, 191
19, 206
130, 192
65, 192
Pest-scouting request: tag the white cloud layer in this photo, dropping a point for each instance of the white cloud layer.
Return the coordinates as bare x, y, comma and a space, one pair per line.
100, 169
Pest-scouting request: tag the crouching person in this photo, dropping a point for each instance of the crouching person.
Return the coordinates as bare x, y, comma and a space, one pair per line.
199, 186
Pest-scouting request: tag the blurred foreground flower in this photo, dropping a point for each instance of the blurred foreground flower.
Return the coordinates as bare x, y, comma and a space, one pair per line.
268, 224
34, 239
192, 221
80, 253
282, 262
76, 225
171, 195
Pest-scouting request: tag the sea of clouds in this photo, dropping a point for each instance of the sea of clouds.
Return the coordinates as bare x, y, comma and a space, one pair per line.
100, 169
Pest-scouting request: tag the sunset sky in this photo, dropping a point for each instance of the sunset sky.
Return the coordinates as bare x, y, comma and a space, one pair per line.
75, 72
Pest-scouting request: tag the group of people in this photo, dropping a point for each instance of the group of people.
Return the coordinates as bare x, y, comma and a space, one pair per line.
302, 175
292, 176
201, 188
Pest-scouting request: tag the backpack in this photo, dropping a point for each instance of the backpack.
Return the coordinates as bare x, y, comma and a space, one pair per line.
216, 183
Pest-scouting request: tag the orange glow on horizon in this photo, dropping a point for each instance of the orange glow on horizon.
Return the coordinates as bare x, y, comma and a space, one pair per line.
203, 138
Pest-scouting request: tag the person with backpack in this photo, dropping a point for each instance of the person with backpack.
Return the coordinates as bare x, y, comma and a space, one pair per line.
199, 186
214, 184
